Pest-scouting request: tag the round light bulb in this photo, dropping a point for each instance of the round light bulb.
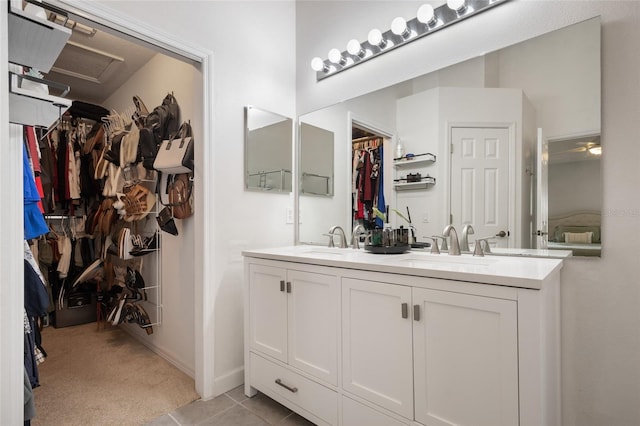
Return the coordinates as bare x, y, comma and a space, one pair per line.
426, 14
457, 5
354, 47
317, 64
335, 56
399, 26
375, 37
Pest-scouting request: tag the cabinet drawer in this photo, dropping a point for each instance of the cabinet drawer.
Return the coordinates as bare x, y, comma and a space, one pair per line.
317, 399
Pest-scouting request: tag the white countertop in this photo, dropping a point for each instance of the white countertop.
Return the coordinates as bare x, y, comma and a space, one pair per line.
513, 271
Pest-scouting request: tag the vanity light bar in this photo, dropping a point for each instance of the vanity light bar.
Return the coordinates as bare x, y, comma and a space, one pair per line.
428, 20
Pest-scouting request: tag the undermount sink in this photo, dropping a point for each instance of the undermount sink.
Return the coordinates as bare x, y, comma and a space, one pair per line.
328, 250
444, 259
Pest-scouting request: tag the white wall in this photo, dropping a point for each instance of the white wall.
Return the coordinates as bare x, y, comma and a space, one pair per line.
600, 297
574, 186
174, 338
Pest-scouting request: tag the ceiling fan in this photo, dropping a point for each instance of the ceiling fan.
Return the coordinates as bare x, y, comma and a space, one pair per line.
592, 148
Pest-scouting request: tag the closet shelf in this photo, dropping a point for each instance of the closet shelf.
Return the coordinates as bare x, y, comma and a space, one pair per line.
32, 108
34, 41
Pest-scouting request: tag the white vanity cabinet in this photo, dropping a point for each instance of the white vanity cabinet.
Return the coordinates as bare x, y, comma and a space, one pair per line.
459, 353
383, 344
293, 326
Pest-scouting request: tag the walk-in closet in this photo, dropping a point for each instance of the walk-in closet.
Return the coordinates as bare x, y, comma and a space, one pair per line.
109, 227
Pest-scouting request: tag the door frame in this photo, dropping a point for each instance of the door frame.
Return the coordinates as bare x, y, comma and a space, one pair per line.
11, 324
514, 221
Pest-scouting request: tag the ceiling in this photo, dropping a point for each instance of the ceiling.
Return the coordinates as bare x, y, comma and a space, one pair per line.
94, 64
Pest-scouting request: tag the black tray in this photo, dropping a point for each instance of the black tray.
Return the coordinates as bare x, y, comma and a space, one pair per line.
420, 245
387, 250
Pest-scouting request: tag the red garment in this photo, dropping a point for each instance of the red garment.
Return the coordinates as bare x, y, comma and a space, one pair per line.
33, 149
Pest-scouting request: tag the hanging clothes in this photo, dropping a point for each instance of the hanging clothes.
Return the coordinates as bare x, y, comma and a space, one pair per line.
34, 223
381, 202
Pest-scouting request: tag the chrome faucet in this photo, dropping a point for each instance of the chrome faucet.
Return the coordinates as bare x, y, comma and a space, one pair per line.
464, 241
355, 235
454, 249
343, 238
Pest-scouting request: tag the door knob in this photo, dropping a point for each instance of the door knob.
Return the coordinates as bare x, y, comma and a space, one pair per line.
501, 234
541, 233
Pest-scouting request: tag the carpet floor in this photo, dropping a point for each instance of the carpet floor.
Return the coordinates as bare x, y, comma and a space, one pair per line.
105, 377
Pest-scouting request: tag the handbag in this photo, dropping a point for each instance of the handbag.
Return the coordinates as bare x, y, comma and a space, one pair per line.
166, 222
180, 191
175, 155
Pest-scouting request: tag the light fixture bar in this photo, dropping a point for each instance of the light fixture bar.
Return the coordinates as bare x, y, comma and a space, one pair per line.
443, 16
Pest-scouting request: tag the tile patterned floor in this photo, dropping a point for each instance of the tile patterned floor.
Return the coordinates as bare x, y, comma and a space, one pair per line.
233, 409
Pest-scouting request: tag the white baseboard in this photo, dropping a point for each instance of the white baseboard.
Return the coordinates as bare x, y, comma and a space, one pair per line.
166, 355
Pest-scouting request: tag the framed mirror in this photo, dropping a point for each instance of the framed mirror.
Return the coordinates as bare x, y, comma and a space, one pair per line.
541, 92
316, 160
268, 151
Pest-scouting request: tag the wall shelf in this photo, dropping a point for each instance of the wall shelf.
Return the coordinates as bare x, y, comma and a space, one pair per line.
418, 161
425, 183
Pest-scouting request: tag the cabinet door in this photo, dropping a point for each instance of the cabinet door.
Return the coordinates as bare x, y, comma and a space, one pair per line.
268, 311
465, 360
357, 414
377, 359
313, 324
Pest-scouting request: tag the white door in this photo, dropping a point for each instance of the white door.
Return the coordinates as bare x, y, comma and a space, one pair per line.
268, 311
480, 182
465, 359
542, 191
314, 324
377, 356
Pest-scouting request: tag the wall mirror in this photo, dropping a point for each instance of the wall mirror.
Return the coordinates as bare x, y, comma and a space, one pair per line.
316, 160
268, 150
541, 96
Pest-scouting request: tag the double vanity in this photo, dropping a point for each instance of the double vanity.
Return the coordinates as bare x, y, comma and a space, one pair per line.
346, 337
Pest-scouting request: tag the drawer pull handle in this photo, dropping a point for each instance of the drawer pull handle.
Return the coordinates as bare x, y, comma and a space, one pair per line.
288, 286
416, 312
290, 389
281, 285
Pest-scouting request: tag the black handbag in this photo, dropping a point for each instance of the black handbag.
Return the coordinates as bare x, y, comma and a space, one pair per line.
166, 222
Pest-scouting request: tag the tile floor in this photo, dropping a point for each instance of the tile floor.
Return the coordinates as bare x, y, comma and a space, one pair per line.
233, 409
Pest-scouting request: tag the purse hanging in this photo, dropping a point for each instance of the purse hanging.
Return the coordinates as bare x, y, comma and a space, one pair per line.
175, 154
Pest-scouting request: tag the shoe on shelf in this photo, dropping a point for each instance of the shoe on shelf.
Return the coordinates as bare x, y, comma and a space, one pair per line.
149, 245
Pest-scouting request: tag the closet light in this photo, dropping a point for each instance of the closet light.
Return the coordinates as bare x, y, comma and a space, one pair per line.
458, 5
317, 64
355, 48
336, 57
375, 38
399, 27
427, 21
426, 15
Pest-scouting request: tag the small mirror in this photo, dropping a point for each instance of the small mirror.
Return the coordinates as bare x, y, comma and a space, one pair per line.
268, 150
316, 160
